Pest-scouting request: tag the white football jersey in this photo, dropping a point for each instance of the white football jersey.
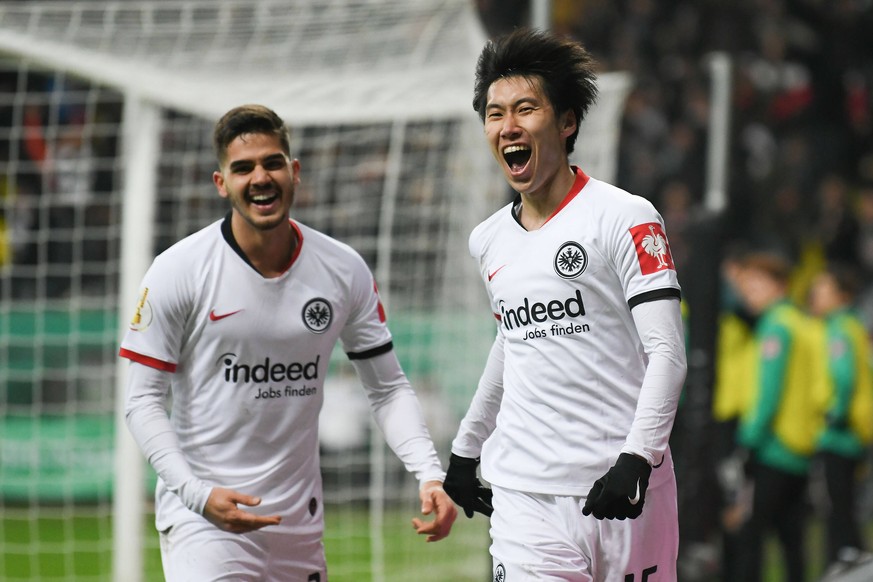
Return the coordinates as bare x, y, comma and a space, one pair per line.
249, 357
573, 360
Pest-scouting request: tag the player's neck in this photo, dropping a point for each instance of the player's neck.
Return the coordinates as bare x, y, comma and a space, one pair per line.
538, 205
269, 251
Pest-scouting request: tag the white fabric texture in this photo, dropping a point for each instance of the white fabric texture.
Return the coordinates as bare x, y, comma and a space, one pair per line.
580, 378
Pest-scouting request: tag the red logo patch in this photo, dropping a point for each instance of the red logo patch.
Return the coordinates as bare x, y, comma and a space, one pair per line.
653, 250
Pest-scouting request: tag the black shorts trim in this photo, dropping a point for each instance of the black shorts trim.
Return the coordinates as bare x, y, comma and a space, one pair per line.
371, 353
670, 293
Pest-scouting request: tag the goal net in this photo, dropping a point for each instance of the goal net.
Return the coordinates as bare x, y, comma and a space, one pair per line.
106, 111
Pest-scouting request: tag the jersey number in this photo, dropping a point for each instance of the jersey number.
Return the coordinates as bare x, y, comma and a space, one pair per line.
646, 573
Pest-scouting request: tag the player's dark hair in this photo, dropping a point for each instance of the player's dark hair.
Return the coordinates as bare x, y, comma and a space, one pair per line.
248, 119
563, 66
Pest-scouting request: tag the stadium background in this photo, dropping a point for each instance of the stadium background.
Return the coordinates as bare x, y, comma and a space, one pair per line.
800, 181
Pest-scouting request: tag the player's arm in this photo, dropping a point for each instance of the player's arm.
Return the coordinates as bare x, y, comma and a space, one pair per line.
148, 422
398, 414
481, 417
462, 482
659, 325
621, 492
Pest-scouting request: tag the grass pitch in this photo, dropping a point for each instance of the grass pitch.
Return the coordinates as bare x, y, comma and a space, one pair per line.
55, 544
59, 544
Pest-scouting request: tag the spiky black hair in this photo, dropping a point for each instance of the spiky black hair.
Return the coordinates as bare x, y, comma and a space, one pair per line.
565, 69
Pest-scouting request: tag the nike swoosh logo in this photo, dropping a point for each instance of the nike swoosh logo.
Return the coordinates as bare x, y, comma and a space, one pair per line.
491, 275
636, 498
215, 317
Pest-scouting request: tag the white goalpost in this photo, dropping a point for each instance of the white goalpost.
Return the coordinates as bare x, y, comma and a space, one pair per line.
106, 109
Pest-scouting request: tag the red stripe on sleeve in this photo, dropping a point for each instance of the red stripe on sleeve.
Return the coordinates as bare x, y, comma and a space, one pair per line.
147, 361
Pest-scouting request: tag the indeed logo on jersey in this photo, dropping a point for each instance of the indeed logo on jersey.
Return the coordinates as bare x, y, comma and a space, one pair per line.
538, 312
268, 371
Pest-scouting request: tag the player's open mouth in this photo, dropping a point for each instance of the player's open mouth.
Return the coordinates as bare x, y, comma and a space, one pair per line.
263, 198
517, 157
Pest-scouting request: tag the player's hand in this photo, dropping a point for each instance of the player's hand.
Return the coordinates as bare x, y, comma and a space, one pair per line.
464, 487
222, 511
621, 493
435, 500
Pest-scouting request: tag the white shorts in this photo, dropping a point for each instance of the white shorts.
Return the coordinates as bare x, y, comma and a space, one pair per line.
197, 551
546, 537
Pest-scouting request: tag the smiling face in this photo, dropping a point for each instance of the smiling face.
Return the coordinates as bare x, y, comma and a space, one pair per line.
527, 137
259, 179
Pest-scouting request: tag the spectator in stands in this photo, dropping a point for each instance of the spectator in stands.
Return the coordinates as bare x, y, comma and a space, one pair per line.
732, 392
776, 429
847, 399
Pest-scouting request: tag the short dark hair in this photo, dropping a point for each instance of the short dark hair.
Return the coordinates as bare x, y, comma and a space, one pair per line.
564, 67
248, 119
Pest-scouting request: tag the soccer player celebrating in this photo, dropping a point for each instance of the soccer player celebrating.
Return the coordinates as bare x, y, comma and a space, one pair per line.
575, 406
232, 334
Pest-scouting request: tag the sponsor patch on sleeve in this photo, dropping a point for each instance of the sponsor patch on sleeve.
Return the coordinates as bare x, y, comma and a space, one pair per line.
653, 250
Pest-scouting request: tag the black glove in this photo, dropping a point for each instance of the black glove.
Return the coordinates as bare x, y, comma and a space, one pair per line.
464, 487
620, 493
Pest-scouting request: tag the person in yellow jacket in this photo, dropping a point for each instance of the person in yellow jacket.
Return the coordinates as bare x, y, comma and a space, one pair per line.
776, 429
732, 387
846, 400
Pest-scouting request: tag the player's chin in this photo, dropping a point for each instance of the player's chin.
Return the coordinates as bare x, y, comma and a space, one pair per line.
268, 220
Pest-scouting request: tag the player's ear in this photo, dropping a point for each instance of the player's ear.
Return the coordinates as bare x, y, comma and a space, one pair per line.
295, 171
218, 180
567, 123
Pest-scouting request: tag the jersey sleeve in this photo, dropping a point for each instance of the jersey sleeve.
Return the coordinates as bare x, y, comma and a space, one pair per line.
659, 324
476, 244
641, 252
146, 417
156, 328
481, 417
365, 334
399, 415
